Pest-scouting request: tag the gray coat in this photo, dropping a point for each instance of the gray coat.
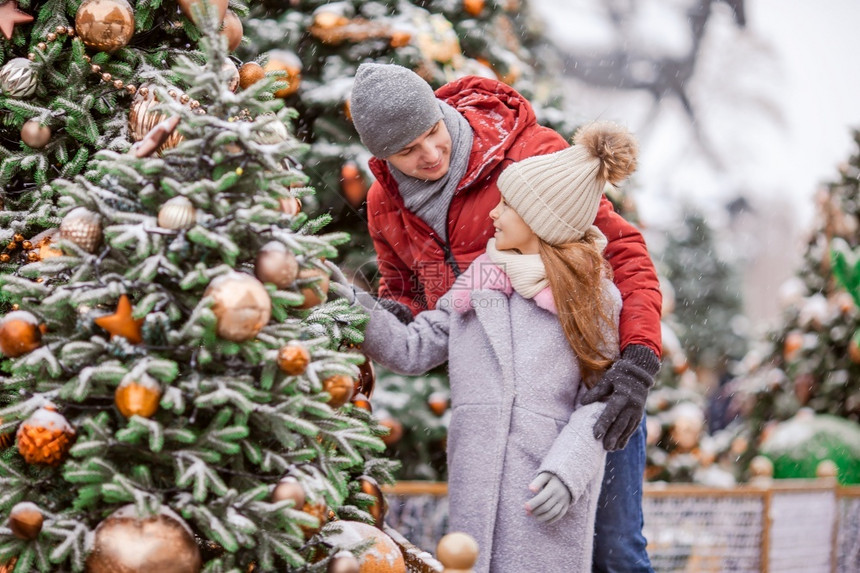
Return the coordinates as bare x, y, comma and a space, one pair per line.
515, 385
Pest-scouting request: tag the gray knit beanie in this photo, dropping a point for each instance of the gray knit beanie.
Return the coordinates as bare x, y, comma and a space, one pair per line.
391, 106
558, 195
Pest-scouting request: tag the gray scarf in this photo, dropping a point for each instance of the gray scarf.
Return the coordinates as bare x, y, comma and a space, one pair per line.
430, 199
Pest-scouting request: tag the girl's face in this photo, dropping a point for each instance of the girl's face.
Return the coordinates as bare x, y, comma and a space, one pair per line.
428, 157
512, 233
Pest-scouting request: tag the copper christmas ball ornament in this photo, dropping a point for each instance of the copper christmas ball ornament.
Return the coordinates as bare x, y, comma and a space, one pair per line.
289, 488
379, 507
352, 184
473, 7
250, 73
383, 555
177, 213
343, 562
314, 287
242, 305
18, 78
289, 69
232, 30
25, 520
138, 397
45, 438
438, 402
143, 117
395, 431
105, 25
457, 551
19, 334
220, 7
83, 228
126, 543
293, 359
276, 264
339, 388
290, 205
35, 134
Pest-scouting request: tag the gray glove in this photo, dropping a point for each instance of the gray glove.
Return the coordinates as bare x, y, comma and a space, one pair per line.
552, 500
624, 388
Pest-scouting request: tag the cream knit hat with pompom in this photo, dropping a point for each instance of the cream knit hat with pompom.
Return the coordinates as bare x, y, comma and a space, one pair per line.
558, 195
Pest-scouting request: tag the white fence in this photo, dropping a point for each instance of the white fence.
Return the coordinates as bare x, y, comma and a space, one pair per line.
807, 526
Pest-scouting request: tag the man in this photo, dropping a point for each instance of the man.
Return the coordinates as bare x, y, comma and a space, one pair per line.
436, 161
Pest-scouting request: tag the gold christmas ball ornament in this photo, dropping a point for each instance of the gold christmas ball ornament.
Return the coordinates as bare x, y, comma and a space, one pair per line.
293, 359
383, 555
83, 228
18, 78
220, 7
339, 388
288, 68
289, 488
177, 213
25, 520
138, 397
457, 551
314, 287
35, 134
343, 562
232, 30
126, 543
242, 305
379, 507
276, 264
105, 25
250, 73
45, 437
143, 117
19, 334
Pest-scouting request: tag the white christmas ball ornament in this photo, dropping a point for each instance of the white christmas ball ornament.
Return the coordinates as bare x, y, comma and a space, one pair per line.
242, 305
177, 213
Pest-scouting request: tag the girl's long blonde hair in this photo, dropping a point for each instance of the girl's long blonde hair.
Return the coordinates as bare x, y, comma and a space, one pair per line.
575, 271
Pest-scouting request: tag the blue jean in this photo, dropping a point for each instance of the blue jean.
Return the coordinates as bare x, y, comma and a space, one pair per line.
619, 545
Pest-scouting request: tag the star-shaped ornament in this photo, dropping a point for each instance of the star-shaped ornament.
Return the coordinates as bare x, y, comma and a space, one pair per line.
121, 323
9, 16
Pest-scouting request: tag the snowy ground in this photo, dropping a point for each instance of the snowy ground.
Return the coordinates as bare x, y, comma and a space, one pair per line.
775, 102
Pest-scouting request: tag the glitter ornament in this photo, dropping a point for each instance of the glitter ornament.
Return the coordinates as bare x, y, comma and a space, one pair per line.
242, 305
383, 555
45, 437
339, 388
143, 118
125, 542
276, 264
35, 134
25, 520
105, 25
18, 78
293, 359
177, 213
19, 334
138, 397
83, 228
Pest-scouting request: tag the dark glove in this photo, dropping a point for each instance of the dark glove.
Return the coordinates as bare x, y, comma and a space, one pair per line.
398, 309
624, 388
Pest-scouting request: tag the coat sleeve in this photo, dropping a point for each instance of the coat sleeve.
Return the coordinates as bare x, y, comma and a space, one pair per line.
635, 277
410, 349
397, 280
576, 457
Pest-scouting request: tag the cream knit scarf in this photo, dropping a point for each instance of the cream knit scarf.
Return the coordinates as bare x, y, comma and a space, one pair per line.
527, 273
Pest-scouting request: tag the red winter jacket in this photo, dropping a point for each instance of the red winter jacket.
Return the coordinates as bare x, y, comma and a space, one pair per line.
417, 267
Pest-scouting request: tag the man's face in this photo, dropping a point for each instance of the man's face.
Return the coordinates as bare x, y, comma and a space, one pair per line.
427, 157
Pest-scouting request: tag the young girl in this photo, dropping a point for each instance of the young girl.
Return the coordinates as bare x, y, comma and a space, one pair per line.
525, 330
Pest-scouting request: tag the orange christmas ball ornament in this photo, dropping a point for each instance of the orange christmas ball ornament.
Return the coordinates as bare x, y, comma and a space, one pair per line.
383, 555
288, 68
293, 359
395, 431
318, 510
314, 287
138, 397
25, 520
473, 7
438, 402
340, 388
19, 334
352, 184
792, 345
250, 73
361, 401
45, 438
